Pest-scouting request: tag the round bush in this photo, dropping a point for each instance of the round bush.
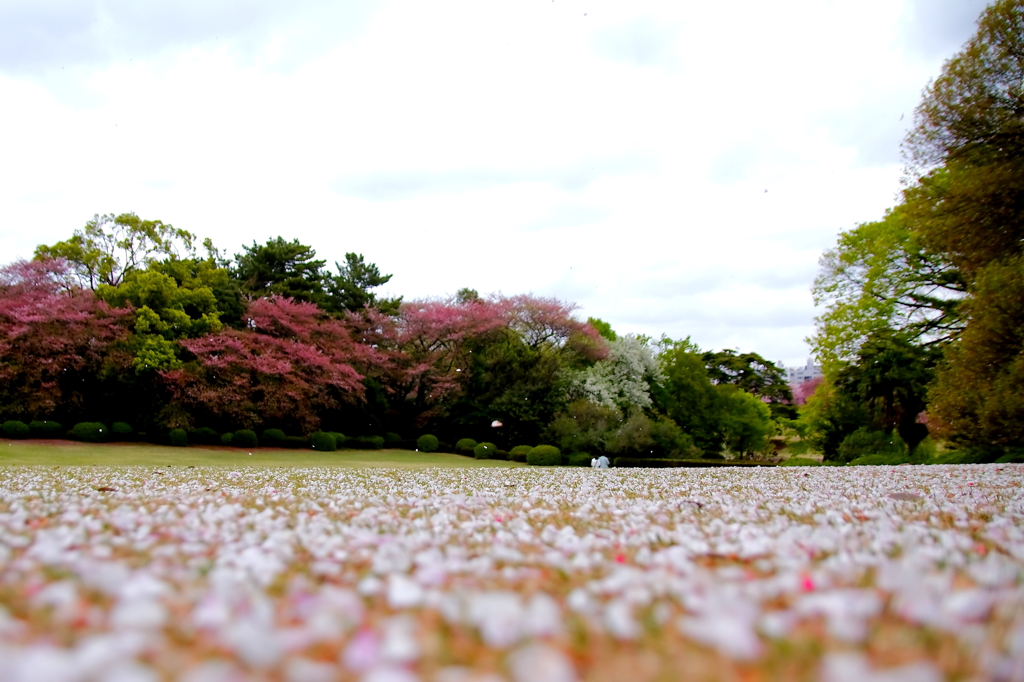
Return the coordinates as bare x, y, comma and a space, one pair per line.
90, 432
227, 438
179, 438
465, 445
392, 437
339, 438
121, 431
544, 456
426, 443
45, 429
273, 437
579, 459
321, 440
245, 438
204, 435
15, 429
485, 450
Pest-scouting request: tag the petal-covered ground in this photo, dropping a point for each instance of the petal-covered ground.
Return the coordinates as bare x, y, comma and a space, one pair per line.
842, 574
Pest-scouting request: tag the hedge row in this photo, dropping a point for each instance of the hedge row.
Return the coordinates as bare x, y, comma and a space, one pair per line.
638, 462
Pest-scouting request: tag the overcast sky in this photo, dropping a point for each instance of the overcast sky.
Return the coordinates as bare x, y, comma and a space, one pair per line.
672, 167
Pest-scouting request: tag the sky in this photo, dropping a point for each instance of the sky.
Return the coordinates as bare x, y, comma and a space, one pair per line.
670, 167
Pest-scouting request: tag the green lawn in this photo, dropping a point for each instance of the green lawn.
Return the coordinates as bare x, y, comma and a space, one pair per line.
70, 453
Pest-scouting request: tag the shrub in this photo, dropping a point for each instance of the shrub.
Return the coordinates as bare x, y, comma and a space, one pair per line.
15, 429
392, 437
45, 429
179, 438
878, 460
800, 462
579, 459
426, 443
121, 431
227, 438
204, 435
484, 450
544, 456
323, 441
710, 454
294, 442
339, 438
655, 463
865, 441
273, 438
501, 455
365, 443
89, 432
464, 446
245, 438
1013, 457
520, 450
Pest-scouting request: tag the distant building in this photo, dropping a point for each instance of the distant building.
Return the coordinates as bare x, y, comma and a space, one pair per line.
798, 375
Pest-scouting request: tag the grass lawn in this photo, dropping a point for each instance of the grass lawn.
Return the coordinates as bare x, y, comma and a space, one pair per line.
70, 453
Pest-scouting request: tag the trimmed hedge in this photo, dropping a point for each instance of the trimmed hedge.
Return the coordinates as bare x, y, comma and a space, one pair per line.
121, 431
800, 462
465, 446
89, 432
365, 443
392, 437
427, 443
709, 454
245, 438
544, 456
273, 438
45, 429
205, 436
648, 463
579, 459
320, 440
179, 438
227, 438
15, 429
484, 450
519, 452
339, 438
878, 460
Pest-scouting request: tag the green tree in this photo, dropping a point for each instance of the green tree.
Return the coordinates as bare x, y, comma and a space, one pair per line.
744, 419
109, 247
686, 394
281, 268
753, 374
349, 290
603, 328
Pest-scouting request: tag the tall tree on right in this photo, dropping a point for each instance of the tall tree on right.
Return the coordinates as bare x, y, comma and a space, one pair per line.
967, 149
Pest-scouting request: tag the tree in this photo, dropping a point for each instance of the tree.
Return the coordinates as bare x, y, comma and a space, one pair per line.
603, 328
686, 394
290, 366
57, 343
622, 380
350, 288
745, 421
753, 374
880, 277
109, 247
280, 268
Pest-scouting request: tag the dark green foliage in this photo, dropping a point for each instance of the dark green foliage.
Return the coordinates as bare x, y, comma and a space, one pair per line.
518, 456
15, 429
520, 450
339, 438
579, 459
294, 442
45, 429
227, 438
323, 441
121, 431
204, 436
1015, 457
485, 450
426, 443
178, 438
464, 446
544, 456
392, 437
281, 268
365, 443
753, 374
800, 462
649, 463
710, 454
865, 441
273, 438
89, 432
245, 438
501, 455
878, 460
349, 290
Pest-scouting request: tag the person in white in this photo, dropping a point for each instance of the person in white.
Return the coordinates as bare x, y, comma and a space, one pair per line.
601, 462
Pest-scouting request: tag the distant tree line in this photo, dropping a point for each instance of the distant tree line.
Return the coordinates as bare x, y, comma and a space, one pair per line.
127, 322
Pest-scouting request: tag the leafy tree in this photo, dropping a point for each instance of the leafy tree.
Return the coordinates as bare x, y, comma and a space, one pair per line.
686, 394
209, 273
109, 247
880, 277
281, 268
57, 343
745, 421
753, 374
350, 288
623, 379
603, 328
